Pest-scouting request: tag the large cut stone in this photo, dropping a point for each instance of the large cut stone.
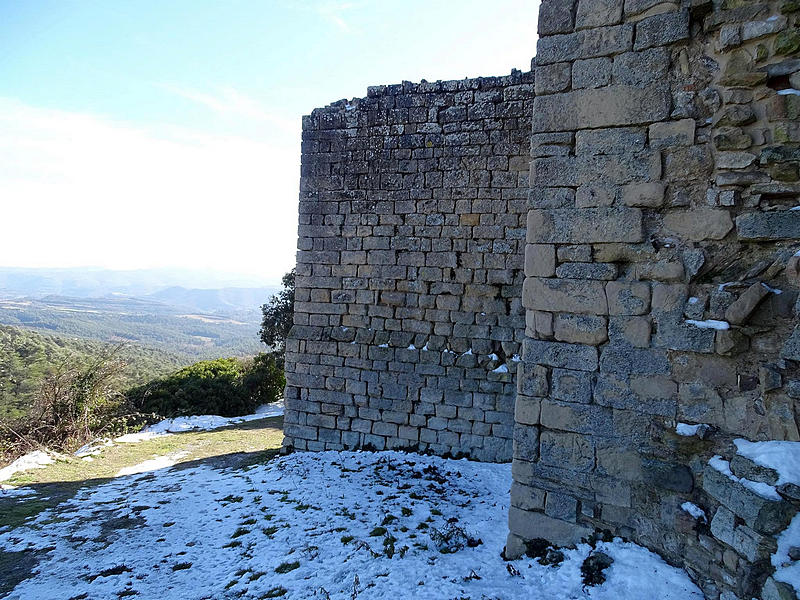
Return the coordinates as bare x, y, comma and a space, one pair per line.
700, 224
531, 525
572, 386
581, 296
580, 329
621, 359
567, 450
560, 355
613, 105
591, 225
597, 13
777, 225
593, 170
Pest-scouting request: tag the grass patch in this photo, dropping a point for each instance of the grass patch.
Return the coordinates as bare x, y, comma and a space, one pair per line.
252, 441
118, 570
346, 539
240, 531
287, 566
377, 531
275, 592
182, 566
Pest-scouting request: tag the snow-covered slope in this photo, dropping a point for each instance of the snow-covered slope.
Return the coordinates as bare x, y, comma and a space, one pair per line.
326, 525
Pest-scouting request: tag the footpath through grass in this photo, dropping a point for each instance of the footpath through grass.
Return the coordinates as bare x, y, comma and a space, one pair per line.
236, 445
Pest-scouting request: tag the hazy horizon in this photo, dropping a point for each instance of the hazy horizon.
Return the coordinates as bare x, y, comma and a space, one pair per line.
168, 135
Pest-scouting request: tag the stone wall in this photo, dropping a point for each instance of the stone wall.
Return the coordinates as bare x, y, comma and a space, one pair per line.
657, 321
661, 281
408, 317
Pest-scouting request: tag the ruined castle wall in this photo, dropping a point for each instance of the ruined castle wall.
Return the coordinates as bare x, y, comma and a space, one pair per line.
408, 316
661, 281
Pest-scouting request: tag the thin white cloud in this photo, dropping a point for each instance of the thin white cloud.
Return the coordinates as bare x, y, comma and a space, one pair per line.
231, 102
80, 189
337, 13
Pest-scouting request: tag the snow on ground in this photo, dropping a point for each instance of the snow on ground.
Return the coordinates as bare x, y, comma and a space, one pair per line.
154, 464
33, 460
310, 525
209, 422
179, 425
784, 457
788, 570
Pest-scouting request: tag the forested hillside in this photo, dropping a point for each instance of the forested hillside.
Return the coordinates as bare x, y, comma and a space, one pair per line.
191, 335
27, 357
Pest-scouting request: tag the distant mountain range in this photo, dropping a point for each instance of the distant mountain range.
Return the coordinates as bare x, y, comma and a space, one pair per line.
95, 283
175, 311
218, 300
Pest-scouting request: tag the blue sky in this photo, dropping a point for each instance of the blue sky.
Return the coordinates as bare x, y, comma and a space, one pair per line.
138, 134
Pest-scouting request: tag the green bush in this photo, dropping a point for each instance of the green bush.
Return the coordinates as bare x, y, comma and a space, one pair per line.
227, 386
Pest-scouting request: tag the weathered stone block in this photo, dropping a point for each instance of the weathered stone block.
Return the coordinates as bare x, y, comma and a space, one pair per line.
540, 260
527, 410
699, 403
526, 441
580, 329
614, 105
578, 418
590, 43
628, 298
593, 196
529, 525
532, 379
640, 68
598, 13
738, 312
636, 394
777, 225
591, 73
791, 349
615, 140
577, 270
649, 195
744, 467
661, 30
677, 335
572, 386
567, 450
552, 78
670, 476
633, 361
699, 224
556, 17
672, 133
597, 225
634, 331
766, 516
560, 355
561, 506
777, 590
571, 295
527, 497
